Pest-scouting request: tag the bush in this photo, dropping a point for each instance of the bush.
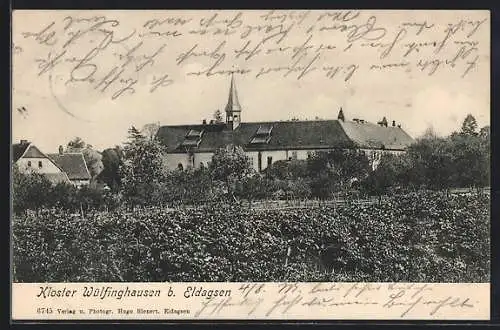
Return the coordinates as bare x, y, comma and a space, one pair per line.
421, 237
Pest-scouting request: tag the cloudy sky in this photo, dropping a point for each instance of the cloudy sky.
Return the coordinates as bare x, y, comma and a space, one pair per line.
49, 110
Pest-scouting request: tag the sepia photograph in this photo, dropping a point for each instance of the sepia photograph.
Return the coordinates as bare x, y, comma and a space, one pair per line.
250, 146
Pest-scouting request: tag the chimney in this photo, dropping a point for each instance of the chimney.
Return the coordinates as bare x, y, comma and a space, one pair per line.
204, 121
399, 125
24, 141
61, 150
212, 121
393, 123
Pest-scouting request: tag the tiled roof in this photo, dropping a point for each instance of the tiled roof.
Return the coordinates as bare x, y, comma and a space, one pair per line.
26, 150
73, 164
315, 134
368, 135
18, 150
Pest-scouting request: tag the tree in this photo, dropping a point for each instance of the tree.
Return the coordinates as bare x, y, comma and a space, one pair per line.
469, 126
76, 143
193, 185
142, 169
218, 116
391, 172
470, 159
429, 133
150, 130
334, 170
93, 159
30, 191
432, 162
229, 165
484, 133
111, 159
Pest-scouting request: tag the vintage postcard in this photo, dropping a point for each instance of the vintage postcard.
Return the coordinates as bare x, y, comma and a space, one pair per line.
250, 164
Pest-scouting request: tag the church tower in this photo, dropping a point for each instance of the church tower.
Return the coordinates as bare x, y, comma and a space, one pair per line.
233, 107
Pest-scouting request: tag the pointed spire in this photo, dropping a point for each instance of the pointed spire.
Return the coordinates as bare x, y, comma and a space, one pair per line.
341, 115
233, 103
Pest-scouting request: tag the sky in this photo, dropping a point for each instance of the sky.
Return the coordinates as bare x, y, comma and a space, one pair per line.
53, 112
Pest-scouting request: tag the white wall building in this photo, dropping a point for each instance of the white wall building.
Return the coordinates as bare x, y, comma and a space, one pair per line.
267, 142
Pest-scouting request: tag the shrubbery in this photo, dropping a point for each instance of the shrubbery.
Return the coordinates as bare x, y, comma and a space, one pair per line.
423, 237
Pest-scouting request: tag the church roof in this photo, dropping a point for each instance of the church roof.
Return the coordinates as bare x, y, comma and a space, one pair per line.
73, 164
281, 135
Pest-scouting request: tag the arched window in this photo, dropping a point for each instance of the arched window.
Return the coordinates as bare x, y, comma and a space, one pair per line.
180, 167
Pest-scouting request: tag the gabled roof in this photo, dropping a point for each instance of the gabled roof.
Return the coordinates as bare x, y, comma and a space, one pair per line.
29, 150
26, 150
18, 150
73, 164
369, 135
316, 134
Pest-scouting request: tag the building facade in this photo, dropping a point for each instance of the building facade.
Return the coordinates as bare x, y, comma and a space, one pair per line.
57, 168
191, 146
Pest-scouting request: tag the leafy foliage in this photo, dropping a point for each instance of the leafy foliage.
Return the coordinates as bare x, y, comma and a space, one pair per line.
141, 170
29, 190
218, 116
469, 126
111, 159
334, 170
419, 237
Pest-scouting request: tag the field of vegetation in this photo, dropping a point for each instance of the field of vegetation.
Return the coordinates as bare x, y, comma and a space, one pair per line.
418, 237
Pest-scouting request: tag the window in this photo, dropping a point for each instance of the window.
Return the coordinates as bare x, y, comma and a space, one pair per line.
309, 154
192, 138
294, 154
180, 167
40, 164
29, 163
262, 135
250, 159
260, 161
269, 160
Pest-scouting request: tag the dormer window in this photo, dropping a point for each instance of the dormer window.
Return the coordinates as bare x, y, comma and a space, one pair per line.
193, 138
194, 134
262, 136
